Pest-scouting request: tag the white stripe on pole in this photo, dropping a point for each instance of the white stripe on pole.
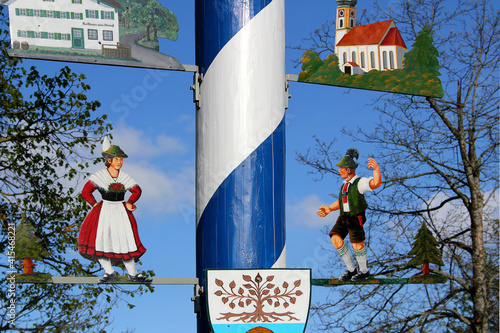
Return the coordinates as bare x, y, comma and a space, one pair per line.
243, 99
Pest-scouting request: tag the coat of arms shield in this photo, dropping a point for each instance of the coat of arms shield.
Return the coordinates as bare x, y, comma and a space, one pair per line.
258, 300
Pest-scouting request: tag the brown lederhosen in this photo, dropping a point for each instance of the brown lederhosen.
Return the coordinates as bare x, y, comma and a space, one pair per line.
352, 225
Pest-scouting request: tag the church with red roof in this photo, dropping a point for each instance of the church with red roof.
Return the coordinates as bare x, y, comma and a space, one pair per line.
363, 48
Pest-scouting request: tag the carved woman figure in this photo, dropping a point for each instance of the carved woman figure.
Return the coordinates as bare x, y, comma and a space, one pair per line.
109, 233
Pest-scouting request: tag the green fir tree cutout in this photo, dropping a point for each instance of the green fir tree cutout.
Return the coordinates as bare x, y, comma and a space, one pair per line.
425, 250
422, 58
28, 247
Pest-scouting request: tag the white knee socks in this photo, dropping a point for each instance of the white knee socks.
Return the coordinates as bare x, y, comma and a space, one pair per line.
345, 254
361, 259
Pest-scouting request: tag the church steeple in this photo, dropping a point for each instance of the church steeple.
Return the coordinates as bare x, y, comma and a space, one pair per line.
346, 18
347, 3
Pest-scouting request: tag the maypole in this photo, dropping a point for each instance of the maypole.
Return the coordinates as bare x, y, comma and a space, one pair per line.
240, 167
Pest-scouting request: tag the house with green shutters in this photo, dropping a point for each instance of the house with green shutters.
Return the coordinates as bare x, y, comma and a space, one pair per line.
72, 24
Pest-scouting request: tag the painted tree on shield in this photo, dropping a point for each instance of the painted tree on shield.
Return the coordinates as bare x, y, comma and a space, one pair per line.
260, 294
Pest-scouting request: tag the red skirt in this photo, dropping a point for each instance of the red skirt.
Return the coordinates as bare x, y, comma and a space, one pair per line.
116, 251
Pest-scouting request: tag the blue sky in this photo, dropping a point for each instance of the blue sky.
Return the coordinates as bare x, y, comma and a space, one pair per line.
154, 123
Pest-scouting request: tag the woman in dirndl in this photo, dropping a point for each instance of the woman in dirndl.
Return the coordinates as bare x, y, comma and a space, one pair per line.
109, 233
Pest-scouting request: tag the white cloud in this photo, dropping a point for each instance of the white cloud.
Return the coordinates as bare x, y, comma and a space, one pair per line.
163, 192
454, 217
188, 122
303, 213
136, 143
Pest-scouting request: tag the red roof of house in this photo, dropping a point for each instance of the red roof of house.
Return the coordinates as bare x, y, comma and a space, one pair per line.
113, 3
353, 64
372, 34
393, 37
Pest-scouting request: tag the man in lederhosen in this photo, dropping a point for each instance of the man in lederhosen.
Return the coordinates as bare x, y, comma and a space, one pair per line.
352, 205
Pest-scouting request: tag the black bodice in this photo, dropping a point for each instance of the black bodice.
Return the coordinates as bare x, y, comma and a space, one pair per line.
111, 196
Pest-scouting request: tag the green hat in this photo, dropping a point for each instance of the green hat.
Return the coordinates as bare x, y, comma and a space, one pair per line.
114, 151
347, 162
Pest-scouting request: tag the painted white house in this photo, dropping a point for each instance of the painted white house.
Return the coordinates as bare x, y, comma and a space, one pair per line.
77, 24
366, 47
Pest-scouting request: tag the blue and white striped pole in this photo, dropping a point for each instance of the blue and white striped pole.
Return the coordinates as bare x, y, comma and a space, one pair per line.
240, 167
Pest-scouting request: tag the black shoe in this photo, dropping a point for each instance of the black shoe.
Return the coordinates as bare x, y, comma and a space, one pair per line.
360, 276
348, 275
108, 278
140, 278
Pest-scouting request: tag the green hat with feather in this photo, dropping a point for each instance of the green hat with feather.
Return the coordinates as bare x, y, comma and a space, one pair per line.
348, 160
113, 150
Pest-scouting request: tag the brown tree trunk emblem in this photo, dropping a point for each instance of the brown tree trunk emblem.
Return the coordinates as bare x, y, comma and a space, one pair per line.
260, 298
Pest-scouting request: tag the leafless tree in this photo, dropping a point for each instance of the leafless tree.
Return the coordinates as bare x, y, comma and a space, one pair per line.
440, 164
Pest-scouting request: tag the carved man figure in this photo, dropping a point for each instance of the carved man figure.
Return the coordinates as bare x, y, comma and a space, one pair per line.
352, 206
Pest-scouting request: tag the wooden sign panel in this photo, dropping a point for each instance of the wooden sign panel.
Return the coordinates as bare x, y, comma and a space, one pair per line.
110, 32
375, 57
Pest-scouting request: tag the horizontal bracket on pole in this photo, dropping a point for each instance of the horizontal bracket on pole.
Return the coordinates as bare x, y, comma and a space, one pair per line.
102, 61
124, 280
46, 278
432, 279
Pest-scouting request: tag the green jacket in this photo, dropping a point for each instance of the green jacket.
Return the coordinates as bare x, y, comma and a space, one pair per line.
357, 202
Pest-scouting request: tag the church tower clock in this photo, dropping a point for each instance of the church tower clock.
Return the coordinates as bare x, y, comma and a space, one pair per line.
346, 18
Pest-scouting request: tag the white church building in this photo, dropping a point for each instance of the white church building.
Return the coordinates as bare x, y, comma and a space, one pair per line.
77, 24
363, 48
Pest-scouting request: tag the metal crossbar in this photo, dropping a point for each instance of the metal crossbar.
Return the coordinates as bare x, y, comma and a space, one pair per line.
412, 280
46, 278
156, 281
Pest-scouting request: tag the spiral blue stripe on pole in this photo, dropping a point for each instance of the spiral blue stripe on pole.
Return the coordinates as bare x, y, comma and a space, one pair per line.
217, 22
240, 167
